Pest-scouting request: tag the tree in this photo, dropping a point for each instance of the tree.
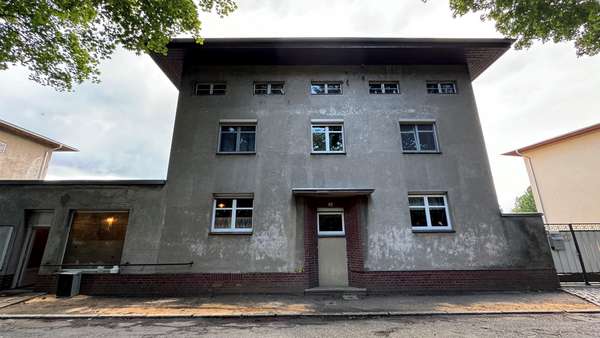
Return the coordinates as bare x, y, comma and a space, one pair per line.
525, 202
545, 20
62, 42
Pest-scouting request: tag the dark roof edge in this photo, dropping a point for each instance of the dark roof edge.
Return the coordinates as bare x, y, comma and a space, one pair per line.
478, 53
83, 182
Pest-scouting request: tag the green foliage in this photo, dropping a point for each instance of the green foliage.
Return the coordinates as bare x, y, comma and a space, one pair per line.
545, 20
62, 41
525, 202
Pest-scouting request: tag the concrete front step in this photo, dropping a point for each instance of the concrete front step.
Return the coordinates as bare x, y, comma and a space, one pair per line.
336, 291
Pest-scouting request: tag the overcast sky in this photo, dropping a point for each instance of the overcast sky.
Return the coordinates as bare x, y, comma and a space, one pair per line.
123, 126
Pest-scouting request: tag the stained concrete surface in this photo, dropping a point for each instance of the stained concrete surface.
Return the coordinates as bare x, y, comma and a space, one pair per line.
564, 325
263, 305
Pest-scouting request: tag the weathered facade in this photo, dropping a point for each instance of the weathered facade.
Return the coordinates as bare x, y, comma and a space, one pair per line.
297, 164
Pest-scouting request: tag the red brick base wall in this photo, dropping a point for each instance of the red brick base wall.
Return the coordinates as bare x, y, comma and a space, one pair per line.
456, 280
374, 282
182, 284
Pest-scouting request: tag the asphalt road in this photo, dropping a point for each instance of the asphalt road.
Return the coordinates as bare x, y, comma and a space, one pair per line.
563, 325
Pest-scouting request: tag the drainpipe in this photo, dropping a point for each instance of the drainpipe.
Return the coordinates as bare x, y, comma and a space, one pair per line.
46, 156
537, 188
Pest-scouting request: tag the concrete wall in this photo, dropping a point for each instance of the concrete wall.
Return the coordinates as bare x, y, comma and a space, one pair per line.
23, 158
144, 203
373, 159
566, 185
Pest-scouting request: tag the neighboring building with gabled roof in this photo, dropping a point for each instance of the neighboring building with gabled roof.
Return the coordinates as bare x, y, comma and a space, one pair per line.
564, 172
24, 155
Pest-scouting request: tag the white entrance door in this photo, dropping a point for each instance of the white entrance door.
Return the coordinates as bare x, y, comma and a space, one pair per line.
333, 260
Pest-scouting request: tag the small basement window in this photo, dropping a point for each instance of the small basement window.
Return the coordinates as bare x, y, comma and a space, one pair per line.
429, 212
231, 215
237, 139
327, 138
418, 137
384, 88
202, 89
268, 88
434, 87
96, 238
326, 88
330, 222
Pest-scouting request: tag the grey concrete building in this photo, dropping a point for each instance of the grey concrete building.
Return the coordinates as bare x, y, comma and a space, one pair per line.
295, 164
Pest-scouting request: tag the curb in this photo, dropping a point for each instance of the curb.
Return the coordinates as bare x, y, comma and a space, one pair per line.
290, 315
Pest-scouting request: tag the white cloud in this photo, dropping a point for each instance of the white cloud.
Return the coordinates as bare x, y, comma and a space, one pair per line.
123, 126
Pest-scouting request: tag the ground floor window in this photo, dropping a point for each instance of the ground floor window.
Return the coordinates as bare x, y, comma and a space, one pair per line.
232, 215
96, 238
429, 212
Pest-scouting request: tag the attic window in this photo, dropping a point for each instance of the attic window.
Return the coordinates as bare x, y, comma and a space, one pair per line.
2, 147
202, 89
384, 88
326, 88
438, 87
268, 88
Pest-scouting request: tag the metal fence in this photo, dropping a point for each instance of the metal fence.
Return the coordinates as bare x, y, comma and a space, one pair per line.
575, 251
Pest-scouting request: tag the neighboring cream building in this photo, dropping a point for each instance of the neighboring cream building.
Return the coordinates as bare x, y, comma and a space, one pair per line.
564, 172
24, 155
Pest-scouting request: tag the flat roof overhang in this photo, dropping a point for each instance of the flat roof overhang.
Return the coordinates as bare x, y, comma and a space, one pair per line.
476, 54
331, 192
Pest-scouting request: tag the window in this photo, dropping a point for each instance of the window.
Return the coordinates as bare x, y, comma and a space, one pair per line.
429, 212
327, 138
96, 237
268, 88
441, 87
419, 137
237, 139
2, 147
325, 88
330, 222
384, 88
210, 88
232, 215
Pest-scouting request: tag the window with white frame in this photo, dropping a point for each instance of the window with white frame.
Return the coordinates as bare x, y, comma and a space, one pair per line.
237, 139
232, 215
429, 212
210, 89
330, 222
326, 88
327, 138
439, 87
268, 88
419, 137
2, 147
384, 87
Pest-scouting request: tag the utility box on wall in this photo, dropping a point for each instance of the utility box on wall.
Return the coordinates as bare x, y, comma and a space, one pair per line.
68, 284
